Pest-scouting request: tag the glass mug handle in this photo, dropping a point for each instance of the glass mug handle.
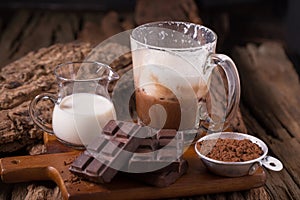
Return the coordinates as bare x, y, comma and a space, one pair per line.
33, 114
234, 90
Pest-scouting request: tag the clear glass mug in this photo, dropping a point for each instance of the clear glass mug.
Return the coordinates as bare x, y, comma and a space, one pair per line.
172, 67
82, 106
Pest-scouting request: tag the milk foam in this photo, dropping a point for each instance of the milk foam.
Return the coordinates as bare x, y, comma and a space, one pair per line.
80, 117
179, 72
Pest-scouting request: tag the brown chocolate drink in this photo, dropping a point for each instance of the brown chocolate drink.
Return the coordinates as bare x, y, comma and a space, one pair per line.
145, 101
168, 89
163, 109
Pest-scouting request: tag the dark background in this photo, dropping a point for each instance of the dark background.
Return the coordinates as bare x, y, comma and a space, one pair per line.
270, 114
245, 20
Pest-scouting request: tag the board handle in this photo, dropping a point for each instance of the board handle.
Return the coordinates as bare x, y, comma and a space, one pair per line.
51, 167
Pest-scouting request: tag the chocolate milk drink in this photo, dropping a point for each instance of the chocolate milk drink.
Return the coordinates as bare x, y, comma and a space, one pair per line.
172, 65
168, 89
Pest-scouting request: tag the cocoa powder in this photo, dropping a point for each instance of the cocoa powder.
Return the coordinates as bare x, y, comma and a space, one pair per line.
230, 150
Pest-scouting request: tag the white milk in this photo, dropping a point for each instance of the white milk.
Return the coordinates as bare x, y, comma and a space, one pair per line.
80, 117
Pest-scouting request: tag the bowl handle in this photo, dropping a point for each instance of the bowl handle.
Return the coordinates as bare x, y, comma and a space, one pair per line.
272, 163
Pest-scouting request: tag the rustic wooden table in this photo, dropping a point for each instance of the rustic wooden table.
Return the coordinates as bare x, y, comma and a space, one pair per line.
270, 83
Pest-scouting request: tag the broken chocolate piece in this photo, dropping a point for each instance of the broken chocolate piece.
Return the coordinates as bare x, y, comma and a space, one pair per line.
111, 128
164, 136
150, 143
151, 156
163, 177
82, 161
159, 155
105, 156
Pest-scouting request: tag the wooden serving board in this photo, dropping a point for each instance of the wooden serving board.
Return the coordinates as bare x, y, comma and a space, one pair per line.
54, 166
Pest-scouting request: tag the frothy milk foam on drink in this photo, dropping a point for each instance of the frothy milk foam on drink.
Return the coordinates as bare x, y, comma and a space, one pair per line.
164, 76
79, 117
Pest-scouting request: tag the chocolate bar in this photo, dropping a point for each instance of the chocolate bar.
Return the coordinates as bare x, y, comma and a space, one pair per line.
160, 154
161, 150
160, 139
163, 177
105, 156
164, 136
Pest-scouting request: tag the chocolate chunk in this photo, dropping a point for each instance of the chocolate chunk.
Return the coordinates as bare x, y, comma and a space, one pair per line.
82, 161
93, 170
94, 167
145, 132
97, 144
159, 154
163, 177
150, 156
149, 143
164, 136
111, 127
166, 159
142, 149
149, 161
128, 128
111, 148
167, 154
105, 155
161, 139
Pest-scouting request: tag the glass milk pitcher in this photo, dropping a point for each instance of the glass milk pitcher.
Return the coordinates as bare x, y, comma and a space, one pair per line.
82, 105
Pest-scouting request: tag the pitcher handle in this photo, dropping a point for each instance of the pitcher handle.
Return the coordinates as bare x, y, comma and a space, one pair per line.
233, 80
33, 113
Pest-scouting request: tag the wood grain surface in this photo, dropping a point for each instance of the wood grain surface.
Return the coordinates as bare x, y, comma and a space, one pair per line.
271, 86
269, 100
55, 167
